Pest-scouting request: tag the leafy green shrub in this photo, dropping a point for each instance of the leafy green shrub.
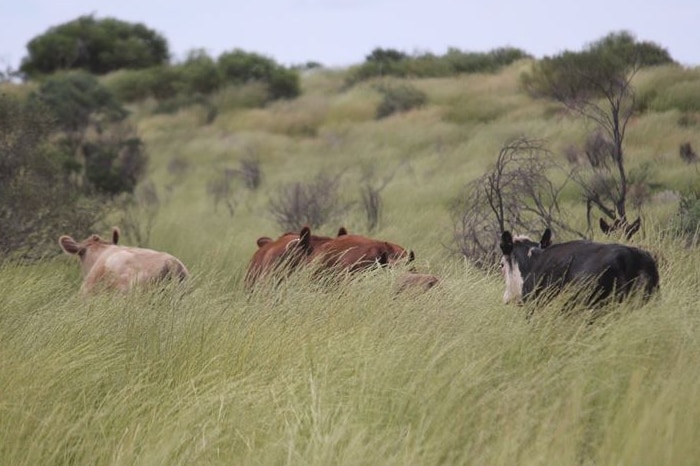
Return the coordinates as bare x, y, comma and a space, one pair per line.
114, 166
97, 46
399, 98
38, 195
200, 73
76, 97
129, 85
88, 117
240, 67
283, 84
392, 63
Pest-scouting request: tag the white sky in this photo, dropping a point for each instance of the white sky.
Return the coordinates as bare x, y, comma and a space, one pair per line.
343, 32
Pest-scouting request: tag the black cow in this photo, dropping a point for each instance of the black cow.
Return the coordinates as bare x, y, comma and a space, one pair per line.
611, 270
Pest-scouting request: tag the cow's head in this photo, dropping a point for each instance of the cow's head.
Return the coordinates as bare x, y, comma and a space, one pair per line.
628, 229
515, 263
88, 250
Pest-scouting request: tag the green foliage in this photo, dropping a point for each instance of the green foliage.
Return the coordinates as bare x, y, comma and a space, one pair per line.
240, 67
37, 194
673, 87
591, 73
114, 166
688, 219
390, 62
87, 117
398, 98
95, 45
283, 84
77, 98
200, 74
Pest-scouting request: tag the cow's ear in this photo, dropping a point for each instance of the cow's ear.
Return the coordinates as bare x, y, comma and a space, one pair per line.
506, 242
115, 235
263, 240
546, 240
633, 227
342, 231
604, 227
68, 245
305, 239
411, 255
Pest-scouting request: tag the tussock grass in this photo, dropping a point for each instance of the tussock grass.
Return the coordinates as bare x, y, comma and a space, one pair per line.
312, 372
342, 374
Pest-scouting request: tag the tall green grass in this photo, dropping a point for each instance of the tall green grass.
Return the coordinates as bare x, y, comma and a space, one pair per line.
309, 373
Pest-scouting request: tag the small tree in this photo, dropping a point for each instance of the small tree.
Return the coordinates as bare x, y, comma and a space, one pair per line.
517, 193
597, 84
95, 45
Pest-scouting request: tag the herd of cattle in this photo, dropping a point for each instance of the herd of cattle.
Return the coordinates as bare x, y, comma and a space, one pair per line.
532, 270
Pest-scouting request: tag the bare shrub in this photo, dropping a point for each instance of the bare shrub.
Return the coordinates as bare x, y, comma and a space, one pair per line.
314, 204
371, 194
221, 190
139, 213
250, 172
687, 153
515, 194
178, 167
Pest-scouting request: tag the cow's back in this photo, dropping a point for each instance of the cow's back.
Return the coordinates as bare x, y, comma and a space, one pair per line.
609, 268
123, 267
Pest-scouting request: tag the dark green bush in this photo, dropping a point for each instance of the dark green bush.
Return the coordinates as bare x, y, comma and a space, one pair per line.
77, 98
200, 74
399, 98
97, 46
283, 84
88, 119
38, 196
240, 67
114, 166
389, 62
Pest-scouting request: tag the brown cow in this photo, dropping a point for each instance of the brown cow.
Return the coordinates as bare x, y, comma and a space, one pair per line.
286, 252
416, 281
105, 264
353, 253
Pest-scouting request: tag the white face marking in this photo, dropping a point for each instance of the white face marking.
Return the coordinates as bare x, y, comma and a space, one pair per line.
514, 281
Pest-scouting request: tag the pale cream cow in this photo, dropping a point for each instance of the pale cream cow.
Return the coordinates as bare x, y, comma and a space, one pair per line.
107, 265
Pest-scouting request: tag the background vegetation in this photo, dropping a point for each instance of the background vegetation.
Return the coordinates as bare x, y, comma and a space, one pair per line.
349, 374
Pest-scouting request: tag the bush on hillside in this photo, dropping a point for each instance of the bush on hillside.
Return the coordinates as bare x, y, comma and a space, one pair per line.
98, 46
199, 73
76, 100
40, 198
90, 136
389, 62
240, 67
398, 98
578, 75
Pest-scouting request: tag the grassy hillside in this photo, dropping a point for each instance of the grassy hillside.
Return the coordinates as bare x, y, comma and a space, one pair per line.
313, 374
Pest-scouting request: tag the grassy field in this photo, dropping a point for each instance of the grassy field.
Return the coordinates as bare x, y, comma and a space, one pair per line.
312, 374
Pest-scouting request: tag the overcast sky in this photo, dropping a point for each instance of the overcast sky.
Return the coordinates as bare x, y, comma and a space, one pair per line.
343, 32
